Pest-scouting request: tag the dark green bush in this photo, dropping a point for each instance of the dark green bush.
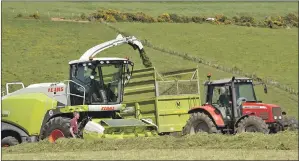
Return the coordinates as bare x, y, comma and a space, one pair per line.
139, 17
291, 19
35, 16
19, 15
186, 19
175, 18
236, 19
198, 19
244, 19
83, 16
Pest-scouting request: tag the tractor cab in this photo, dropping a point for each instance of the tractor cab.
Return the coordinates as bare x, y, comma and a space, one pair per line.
100, 81
228, 96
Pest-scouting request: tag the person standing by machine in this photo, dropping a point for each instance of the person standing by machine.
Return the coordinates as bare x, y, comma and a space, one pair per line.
74, 124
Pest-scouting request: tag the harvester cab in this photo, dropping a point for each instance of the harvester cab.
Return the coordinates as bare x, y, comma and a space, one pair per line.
101, 81
231, 106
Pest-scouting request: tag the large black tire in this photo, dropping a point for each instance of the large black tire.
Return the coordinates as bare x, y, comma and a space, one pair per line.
9, 141
252, 124
199, 122
290, 123
57, 123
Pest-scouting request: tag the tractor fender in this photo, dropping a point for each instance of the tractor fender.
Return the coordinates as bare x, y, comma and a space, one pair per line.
246, 115
211, 112
5, 126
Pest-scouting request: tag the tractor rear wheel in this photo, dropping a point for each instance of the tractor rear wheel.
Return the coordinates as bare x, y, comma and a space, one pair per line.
252, 124
56, 128
199, 122
9, 141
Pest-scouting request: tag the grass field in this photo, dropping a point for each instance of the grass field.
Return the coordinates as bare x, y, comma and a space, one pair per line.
245, 146
35, 51
165, 154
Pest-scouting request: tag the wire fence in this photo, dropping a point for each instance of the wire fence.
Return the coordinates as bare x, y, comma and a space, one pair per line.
233, 70
47, 14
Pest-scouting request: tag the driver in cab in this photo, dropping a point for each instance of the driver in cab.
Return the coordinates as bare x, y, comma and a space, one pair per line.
224, 98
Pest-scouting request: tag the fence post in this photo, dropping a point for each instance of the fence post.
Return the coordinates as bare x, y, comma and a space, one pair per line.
177, 87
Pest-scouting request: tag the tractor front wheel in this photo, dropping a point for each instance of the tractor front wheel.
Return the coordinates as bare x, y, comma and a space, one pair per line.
56, 128
199, 122
252, 124
9, 141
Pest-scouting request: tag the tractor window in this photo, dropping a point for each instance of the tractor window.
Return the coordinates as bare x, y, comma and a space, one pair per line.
216, 94
245, 90
221, 96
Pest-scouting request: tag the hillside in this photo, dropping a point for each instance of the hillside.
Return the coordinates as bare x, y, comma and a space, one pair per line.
38, 50
49, 46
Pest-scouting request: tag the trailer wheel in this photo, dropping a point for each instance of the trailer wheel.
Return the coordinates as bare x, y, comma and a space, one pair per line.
9, 141
290, 123
56, 128
199, 122
252, 124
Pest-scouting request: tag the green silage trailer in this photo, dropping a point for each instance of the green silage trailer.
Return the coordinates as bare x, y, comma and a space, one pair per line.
163, 100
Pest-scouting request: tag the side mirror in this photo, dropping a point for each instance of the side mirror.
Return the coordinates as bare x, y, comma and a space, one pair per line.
128, 73
265, 89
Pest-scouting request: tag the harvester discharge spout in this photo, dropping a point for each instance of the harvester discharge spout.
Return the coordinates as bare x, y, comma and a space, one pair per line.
120, 39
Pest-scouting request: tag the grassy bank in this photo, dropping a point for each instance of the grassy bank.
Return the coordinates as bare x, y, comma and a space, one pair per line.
165, 154
243, 146
250, 141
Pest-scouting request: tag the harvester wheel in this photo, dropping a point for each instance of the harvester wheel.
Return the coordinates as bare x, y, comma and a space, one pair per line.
199, 122
252, 124
9, 141
56, 128
290, 123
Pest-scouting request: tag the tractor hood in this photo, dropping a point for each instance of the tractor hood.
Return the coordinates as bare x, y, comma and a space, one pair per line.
258, 105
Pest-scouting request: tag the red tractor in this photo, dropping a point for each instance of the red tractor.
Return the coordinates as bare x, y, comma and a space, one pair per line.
231, 107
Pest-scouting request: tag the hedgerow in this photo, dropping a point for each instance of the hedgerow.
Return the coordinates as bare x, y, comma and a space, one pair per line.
289, 20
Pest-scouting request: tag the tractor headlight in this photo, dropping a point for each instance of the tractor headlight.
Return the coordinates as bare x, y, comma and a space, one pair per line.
275, 117
279, 117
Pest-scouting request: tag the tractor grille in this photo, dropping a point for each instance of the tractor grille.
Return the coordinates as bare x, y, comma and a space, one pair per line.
276, 112
264, 115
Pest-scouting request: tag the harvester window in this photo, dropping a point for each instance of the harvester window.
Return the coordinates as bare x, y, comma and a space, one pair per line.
112, 81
